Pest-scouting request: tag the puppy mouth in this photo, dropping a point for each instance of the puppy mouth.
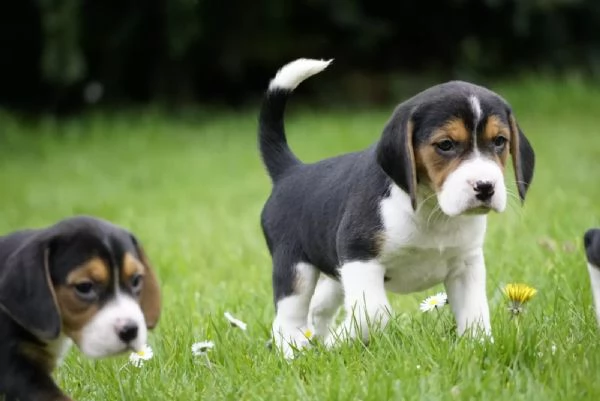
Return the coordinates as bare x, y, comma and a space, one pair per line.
480, 209
123, 350
100, 353
133, 347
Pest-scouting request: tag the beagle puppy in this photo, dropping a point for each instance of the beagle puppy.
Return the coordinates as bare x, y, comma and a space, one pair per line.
82, 280
403, 215
591, 241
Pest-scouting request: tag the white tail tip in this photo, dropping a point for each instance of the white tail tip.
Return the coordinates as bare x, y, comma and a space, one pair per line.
292, 74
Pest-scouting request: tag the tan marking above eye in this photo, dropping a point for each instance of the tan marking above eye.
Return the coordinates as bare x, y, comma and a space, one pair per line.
130, 267
95, 270
493, 128
453, 129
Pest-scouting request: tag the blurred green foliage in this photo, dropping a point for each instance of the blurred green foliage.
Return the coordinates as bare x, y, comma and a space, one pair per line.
181, 50
62, 56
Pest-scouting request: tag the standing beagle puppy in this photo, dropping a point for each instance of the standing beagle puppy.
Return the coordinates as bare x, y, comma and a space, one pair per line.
82, 280
403, 215
591, 241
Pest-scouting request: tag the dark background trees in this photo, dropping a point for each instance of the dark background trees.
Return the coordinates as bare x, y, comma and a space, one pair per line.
55, 54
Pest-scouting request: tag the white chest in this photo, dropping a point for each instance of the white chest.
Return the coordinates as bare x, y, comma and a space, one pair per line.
421, 248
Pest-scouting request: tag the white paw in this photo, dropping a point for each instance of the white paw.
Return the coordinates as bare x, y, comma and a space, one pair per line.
289, 343
320, 330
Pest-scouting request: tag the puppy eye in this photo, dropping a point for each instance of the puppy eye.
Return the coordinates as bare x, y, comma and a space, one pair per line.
500, 141
136, 283
446, 145
86, 290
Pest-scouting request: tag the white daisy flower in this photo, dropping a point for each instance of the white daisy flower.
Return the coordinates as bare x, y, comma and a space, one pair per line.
202, 347
235, 322
434, 302
138, 358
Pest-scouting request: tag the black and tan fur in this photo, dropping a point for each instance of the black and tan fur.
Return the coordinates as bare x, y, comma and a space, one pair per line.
321, 217
40, 307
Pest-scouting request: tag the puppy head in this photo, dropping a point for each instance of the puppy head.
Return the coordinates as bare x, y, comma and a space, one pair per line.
87, 279
455, 139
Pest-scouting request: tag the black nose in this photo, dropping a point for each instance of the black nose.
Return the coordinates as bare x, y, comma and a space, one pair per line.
484, 190
128, 332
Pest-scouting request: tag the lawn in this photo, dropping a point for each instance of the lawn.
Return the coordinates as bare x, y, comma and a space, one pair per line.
192, 187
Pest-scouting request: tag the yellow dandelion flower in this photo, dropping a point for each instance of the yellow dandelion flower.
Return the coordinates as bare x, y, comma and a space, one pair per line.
518, 294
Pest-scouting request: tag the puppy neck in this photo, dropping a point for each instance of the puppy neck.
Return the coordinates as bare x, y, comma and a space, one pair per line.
427, 200
47, 355
59, 348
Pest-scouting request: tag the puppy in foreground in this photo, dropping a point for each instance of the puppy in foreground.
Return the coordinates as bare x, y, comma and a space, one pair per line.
82, 280
403, 215
591, 241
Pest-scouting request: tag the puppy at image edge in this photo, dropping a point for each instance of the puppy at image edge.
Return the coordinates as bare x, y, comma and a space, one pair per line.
591, 242
403, 215
82, 280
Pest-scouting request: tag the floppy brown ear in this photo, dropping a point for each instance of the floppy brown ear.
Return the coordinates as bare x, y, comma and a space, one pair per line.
150, 297
395, 153
26, 290
523, 158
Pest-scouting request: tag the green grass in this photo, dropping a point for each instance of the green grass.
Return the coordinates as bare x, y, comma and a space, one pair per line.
192, 190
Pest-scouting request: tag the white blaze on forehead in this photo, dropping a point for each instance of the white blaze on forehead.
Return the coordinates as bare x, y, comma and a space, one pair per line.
476, 108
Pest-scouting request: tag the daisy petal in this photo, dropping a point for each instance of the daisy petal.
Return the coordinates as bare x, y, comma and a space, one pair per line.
202, 347
425, 306
138, 358
235, 322
433, 302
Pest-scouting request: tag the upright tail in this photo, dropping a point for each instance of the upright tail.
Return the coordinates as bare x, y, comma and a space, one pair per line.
274, 149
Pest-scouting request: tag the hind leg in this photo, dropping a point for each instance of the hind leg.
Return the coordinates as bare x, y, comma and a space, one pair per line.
293, 284
324, 305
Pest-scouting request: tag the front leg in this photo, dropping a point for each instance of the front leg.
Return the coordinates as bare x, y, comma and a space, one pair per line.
466, 289
365, 301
